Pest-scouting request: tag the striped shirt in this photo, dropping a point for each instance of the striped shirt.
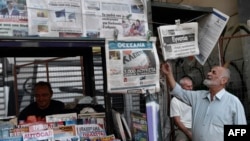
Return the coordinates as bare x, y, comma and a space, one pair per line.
209, 117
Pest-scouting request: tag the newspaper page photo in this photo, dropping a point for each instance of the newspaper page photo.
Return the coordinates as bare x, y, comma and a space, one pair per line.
132, 66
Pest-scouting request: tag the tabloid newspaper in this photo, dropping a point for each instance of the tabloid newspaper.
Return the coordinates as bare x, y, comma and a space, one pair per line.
180, 40
132, 66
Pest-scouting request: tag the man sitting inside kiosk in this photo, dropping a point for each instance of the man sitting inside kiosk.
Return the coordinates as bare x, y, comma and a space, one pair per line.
43, 105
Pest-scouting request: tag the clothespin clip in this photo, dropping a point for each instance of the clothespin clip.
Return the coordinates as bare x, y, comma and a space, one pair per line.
116, 32
149, 33
147, 92
177, 23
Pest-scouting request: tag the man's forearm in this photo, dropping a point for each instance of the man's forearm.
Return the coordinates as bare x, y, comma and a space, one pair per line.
170, 81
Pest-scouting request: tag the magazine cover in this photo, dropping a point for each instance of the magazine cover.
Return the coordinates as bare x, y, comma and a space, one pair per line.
18, 131
61, 117
105, 138
139, 126
89, 131
93, 118
67, 129
14, 138
39, 135
66, 138
38, 127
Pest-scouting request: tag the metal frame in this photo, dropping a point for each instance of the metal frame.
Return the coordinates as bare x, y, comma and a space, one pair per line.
61, 47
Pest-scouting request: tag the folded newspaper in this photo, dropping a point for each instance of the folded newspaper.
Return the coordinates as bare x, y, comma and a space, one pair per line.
180, 40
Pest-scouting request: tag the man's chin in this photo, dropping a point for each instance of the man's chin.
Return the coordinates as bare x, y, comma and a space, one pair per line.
42, 106
210, 83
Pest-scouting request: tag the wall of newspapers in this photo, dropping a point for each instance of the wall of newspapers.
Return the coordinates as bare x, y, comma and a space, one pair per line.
131, 57
128, 20
73, 18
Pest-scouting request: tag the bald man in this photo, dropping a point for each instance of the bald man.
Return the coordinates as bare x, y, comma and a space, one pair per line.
211, 109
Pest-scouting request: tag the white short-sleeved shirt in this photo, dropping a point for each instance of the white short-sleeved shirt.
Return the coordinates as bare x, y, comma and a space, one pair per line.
184, 111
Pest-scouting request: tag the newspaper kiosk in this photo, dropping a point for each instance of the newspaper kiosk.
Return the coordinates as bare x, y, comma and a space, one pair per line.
60, 47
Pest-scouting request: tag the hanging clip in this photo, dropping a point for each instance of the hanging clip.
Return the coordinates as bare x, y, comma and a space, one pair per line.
116, 32
177, 23
144, 92
149, 33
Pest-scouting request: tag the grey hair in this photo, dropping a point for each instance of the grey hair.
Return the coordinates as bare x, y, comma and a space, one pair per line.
185, 77
226, 73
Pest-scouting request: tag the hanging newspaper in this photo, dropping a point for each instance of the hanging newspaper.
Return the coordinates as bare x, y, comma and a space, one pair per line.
132, 66
180, 40
55, 17
101, 17
210, 29
13, 18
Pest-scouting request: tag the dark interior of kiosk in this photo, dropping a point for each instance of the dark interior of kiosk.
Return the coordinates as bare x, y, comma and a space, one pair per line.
59, 47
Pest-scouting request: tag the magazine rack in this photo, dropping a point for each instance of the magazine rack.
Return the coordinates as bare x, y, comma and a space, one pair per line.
61, 47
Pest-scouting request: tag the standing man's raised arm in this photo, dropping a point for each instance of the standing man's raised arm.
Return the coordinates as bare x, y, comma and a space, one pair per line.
167, 70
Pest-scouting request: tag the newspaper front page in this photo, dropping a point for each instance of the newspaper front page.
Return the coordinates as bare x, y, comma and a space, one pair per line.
132, 66
13, 18
210, 29
54, 17
179, 40
39, 17
101, 17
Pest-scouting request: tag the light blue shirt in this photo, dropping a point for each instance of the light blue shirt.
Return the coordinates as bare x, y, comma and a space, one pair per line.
209, 117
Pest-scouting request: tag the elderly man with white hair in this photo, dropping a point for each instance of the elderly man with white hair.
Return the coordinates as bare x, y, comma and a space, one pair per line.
211, 109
